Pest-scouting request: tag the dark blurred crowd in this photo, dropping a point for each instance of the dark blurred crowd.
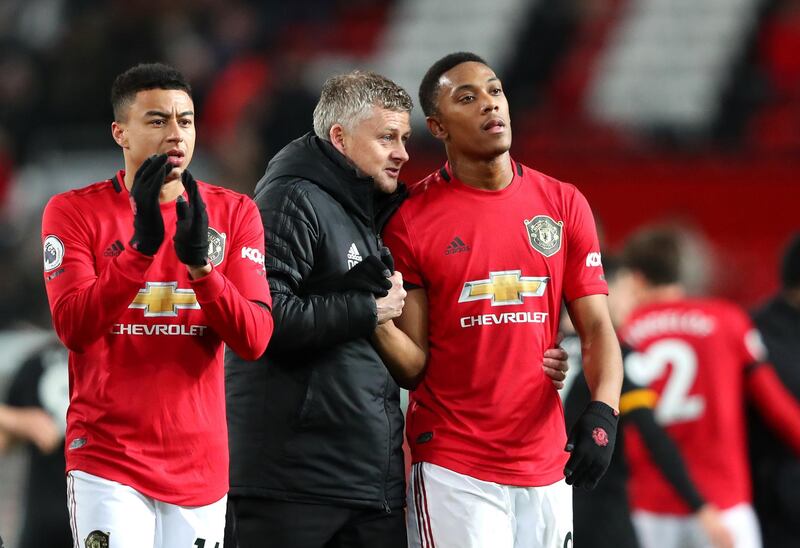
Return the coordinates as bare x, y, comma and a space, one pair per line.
247, 61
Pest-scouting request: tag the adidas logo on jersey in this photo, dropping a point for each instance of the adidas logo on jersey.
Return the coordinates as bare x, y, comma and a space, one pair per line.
457, 246
114, 249
353, 256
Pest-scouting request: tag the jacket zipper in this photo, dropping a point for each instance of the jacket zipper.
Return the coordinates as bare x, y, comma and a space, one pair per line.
386, 507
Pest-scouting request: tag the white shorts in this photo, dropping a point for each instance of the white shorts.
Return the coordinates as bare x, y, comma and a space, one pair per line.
668, 531
448, 509
107, 514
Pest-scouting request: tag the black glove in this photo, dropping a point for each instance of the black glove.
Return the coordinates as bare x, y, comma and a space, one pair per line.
148, 225
191, 230
370, 275
591, 443
388, 260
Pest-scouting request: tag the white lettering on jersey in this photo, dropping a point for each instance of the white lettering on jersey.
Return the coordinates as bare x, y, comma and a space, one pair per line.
593, 259
677, 360
158, 329
506, 317
253, 254
691, 322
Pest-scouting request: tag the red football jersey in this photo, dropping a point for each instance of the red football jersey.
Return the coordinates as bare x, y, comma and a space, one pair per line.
693, 353
495, 266
147, 403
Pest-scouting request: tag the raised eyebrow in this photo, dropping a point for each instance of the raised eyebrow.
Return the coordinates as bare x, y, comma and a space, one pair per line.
463, 87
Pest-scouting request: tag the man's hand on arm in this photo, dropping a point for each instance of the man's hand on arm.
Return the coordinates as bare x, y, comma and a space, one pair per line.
592, 439
391, 306
403, 342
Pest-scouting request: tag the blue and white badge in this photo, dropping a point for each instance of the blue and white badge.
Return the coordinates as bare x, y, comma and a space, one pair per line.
53, 253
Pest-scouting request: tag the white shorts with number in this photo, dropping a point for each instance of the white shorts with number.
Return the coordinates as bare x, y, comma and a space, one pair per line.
668, 531
107, 514
447, 509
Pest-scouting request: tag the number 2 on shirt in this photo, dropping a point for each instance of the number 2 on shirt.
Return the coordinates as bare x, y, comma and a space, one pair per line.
675, 404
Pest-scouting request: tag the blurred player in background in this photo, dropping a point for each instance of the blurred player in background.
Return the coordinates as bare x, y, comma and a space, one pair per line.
776, 467
603, 515
36, 413
488, 249
702, 357
146, 285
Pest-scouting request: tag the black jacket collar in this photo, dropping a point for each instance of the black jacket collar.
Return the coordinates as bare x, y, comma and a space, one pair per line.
318, 162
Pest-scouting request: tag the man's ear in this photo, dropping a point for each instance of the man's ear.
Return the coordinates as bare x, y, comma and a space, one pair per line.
336, 135
119, 134
436, 128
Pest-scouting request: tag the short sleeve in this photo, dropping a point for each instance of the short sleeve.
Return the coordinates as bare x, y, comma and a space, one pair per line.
584, 270
397, 237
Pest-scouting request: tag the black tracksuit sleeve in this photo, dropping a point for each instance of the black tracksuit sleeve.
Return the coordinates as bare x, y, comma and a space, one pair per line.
303, 318
663, 450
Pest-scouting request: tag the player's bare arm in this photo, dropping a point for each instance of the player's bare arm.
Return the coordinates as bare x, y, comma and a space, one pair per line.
403, 342
602, 359
593, 436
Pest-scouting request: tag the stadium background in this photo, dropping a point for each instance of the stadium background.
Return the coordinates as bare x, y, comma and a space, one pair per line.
682, 111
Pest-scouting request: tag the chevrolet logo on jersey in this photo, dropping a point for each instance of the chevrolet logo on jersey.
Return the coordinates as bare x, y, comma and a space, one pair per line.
164, 299
504, 287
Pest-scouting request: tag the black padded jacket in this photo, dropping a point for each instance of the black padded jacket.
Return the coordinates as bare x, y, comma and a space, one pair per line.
317, 419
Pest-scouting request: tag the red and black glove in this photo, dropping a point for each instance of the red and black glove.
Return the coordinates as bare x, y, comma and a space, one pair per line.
191, 231
591, 443
148, 225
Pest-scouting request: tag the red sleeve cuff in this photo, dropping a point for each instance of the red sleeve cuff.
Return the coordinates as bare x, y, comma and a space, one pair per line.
133, 265
587, 290
209, 287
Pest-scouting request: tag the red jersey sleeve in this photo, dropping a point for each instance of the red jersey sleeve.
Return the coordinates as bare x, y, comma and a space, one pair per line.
748, 341
237, 304
583, 270
397, 238
84, 303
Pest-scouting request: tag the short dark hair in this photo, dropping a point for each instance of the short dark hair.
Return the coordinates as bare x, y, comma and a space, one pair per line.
142, 77
790, 267
429, 87
656, 253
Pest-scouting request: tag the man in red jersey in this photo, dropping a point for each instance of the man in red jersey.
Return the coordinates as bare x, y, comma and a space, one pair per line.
149, 274
488, 249
702, 356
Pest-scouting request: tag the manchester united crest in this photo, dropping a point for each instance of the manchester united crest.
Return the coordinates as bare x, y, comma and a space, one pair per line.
544, 234
97, 539
216, 246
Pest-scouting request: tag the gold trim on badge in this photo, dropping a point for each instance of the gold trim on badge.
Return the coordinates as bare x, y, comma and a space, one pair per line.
504, 288
164, 299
